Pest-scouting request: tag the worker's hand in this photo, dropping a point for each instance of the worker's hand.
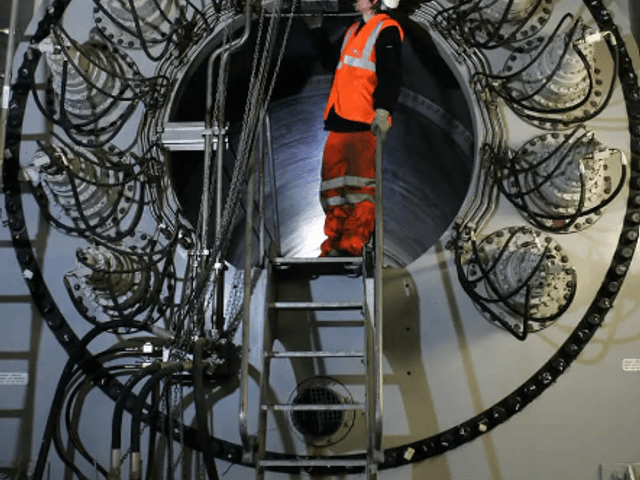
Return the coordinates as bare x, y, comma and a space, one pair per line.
380, 125
313, 20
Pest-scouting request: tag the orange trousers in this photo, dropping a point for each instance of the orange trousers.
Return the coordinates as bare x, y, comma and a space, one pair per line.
347, 191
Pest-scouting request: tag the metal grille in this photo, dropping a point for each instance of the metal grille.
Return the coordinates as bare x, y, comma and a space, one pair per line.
317, 423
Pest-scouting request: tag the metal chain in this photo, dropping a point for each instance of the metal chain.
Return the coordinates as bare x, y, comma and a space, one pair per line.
282, 49
236, 297
187, 309
182, 450
125, 455
222, 76
254, 82
266, 59
166, 409
238, 300
201, 470
208, 183
178, 405
250, 115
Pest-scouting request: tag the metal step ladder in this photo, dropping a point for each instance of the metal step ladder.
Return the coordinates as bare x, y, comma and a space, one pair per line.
368, 269
361, 274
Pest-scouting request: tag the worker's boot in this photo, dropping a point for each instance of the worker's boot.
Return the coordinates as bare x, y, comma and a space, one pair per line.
351, 245
325, 248
357, 228
333, 227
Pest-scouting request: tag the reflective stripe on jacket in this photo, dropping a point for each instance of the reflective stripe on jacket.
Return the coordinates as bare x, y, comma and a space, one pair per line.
355, 78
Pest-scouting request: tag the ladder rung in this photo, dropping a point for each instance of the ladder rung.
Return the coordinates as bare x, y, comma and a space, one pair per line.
316, 305
16, 299
303, 462
338, 323
310, 267
284, 261
15, 413
8, 355
323, 354
288, 407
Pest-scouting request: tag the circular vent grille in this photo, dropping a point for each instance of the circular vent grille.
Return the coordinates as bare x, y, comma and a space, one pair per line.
317, 423
322, 427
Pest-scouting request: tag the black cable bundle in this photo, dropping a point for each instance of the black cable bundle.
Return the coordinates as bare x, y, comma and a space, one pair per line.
497, 297
72, 383
467, 18
511, 173
522, 104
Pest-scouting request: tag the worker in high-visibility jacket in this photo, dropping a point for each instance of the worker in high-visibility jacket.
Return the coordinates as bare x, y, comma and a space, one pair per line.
364, 92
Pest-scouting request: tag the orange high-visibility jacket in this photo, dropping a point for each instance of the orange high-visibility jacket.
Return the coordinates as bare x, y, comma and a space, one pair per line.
355, 79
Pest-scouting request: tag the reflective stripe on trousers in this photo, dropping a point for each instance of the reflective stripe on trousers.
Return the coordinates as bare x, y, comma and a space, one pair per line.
348, 168
347, 191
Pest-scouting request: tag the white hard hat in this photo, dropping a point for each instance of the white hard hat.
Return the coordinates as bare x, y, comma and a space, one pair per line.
390, 4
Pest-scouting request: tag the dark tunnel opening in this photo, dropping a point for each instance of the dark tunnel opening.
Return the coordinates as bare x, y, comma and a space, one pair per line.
428, 157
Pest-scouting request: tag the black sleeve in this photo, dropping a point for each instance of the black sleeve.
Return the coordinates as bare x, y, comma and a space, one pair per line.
328, 51
388, 69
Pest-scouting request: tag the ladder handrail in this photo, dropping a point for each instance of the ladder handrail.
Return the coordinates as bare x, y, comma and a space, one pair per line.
8, 74
372, 277
373, 307
274, 185
263, 140
247, 440
368, 278
378, 305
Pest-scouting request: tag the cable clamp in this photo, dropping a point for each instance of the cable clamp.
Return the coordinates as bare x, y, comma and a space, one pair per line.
596, 37
200, 253
215, 130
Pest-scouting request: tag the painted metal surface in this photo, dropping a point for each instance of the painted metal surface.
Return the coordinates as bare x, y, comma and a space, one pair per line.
443, 362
